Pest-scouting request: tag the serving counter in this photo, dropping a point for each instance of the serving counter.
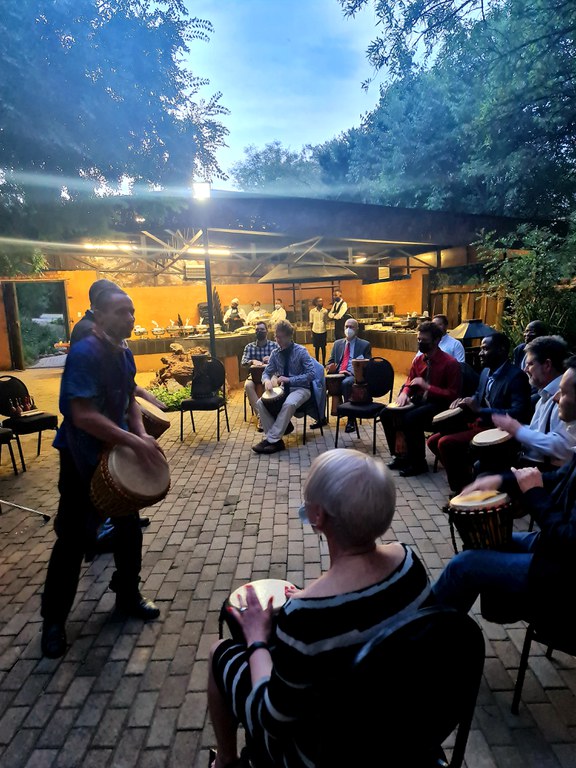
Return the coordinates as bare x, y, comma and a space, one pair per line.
398, 347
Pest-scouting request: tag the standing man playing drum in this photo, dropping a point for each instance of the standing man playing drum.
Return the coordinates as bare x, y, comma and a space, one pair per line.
432, 384
258, 351
294, 369
534, 579
340, 360
97, 402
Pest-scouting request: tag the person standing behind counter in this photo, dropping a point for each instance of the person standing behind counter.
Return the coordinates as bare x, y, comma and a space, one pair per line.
234, 317
278, 314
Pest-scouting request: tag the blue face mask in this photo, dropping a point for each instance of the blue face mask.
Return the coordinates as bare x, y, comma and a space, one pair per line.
302, 514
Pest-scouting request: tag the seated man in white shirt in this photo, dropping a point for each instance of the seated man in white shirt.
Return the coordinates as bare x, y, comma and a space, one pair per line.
340, 361
547, 443
448, 344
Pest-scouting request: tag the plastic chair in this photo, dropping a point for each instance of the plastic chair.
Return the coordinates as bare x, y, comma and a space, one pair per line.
379, 376
216, 402
6, 437
409, 689
12, 389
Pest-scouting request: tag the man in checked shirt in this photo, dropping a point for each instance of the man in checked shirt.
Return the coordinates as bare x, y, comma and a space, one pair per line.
258, 351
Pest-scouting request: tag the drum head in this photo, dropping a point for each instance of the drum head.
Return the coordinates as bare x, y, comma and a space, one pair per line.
394, 407
131, 477
152, 410
491, 437
443, 415
265, 589
272, 394
479, 500
335, 375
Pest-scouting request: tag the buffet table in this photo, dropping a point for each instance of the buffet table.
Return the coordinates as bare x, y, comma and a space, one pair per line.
398, 347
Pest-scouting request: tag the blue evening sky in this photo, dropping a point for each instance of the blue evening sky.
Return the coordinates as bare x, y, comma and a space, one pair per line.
289, 70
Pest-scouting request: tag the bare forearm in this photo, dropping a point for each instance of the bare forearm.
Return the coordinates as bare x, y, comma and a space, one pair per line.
260, 665
102, 428
135, 423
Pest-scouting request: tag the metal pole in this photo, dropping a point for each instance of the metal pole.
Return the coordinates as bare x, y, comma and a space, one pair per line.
206, 244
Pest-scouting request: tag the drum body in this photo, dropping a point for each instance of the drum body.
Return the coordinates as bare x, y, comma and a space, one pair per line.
397, 412
495, 450
451, 421
334, 389
256, 372
358, 366
155, 421
120, 486
265, 589
482, 524
273, 400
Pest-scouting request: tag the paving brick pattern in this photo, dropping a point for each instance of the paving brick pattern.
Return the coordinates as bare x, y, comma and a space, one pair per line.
131, 695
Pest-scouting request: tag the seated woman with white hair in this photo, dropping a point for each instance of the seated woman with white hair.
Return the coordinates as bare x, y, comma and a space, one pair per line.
272, 682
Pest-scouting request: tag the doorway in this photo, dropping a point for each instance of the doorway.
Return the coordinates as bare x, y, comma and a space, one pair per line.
37, 319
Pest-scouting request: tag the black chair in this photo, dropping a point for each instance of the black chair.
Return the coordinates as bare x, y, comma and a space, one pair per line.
216, 373
6, 437
379, 376
410, 688
12, 390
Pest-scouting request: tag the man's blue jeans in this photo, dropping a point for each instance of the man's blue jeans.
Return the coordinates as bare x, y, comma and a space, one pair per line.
478, 570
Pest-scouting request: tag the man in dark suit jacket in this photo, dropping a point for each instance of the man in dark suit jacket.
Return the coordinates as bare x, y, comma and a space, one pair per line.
534, 578
340, 360
502, 388
534, 329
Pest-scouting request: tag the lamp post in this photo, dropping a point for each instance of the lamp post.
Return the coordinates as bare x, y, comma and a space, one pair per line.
201, 192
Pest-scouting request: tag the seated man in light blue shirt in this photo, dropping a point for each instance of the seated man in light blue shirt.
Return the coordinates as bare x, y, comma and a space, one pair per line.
547, 442
448, 344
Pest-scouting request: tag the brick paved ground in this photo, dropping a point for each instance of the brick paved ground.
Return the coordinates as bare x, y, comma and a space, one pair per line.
127, 694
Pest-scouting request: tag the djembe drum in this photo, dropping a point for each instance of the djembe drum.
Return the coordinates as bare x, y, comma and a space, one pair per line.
449, 422
484, 519
273, 400
122, 486
359, 392
265, 589
256, 371
397, 411
495, 449
155, 421
334, 389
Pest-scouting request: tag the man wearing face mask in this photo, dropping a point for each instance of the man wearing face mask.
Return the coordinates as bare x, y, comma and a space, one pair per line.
340, 361
432, 384
258, 351
502, 389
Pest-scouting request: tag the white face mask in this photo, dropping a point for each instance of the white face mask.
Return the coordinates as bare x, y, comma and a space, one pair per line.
349, 333
278, 306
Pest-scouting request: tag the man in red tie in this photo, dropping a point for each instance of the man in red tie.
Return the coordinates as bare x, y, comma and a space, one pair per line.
340, 360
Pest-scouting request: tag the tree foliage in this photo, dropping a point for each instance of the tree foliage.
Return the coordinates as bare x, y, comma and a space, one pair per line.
532, 279
101, 88
276, 169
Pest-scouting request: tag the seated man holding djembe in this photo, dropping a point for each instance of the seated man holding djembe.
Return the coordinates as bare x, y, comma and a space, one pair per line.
293, 368
535, 577
546, 442
344, 351
503, 389
257, 354
433, 381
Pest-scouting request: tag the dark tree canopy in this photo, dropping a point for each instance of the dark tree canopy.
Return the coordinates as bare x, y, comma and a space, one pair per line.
101, 87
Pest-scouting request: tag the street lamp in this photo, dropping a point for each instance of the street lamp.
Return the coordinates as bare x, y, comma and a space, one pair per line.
201, 192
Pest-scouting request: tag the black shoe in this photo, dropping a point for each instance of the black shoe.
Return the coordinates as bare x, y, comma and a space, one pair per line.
318, 424
259, 429
412, 471
53, 639
144, 522
350, 426
398, 462
266, 447
289, 429
137, 607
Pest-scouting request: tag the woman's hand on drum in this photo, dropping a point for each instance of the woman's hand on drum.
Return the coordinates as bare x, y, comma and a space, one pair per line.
486, 483
291, 591
256, 622
527, 478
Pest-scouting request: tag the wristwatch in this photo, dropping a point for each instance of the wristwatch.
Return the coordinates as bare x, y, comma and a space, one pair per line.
255, 647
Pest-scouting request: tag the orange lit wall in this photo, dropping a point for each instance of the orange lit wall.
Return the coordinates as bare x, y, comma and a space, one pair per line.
405, 295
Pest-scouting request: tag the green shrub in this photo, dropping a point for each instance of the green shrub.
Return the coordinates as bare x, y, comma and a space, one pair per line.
170, 397
39, 340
